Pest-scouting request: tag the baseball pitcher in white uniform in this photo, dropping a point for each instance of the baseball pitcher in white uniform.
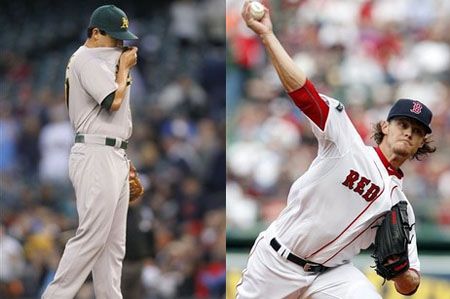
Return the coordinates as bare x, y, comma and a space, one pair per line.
98, 100
334, 208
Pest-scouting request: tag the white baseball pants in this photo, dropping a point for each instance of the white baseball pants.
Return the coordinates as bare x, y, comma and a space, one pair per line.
270, 276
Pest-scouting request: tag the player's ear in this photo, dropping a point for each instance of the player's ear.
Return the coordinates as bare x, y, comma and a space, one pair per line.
95, 33
385, 127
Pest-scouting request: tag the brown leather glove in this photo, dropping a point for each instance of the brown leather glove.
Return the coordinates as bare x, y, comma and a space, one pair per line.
136, 188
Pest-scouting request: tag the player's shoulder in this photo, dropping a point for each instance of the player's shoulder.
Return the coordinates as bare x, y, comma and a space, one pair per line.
91, 57
332, 102
81, 57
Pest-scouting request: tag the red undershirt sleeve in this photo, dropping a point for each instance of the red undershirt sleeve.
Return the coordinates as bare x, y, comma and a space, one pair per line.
311, 104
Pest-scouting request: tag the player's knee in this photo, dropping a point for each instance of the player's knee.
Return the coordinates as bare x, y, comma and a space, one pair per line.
97, 244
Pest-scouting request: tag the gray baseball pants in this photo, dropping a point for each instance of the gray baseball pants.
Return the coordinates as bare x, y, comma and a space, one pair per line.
99, 174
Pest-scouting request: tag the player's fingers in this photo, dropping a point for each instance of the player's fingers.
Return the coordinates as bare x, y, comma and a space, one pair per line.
132, 51
130, 54
245, 8
246, 3
266, 14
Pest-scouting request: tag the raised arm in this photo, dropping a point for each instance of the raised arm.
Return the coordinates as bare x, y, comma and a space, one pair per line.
294, 80
291, 76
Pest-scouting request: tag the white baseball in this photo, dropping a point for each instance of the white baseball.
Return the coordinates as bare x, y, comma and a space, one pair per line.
257, 10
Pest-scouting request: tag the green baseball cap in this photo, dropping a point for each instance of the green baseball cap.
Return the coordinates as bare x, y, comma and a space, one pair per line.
113, 21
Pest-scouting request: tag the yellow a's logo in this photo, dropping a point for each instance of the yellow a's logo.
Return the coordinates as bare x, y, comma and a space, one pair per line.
124, 23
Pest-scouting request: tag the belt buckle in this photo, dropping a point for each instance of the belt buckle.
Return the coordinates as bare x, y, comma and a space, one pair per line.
309, 267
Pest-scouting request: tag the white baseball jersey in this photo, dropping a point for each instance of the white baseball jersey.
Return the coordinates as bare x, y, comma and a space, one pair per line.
91, 75
332, 209
330, 214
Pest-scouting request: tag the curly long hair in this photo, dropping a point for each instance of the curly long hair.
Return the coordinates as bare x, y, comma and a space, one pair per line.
422, 152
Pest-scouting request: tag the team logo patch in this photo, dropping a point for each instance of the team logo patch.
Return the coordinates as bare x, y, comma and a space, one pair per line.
124, 23
416, 108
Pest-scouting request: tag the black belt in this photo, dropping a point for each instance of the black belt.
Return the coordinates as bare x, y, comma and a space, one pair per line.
308, 266
105, 141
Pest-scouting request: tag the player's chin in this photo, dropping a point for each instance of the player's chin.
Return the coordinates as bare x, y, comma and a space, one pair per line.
402, 149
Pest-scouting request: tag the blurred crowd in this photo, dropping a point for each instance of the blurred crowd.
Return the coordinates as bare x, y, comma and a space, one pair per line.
176, 232
365, 53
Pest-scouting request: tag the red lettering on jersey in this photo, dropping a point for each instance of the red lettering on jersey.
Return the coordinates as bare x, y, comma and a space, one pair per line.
352, 177
372, 192
361, 185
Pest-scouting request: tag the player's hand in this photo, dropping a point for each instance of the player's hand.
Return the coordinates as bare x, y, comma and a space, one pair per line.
128, 58
407, 282
261, 27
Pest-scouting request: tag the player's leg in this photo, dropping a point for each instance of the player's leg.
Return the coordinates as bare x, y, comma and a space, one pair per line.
95, 212
269, 276
343, 282
107, 270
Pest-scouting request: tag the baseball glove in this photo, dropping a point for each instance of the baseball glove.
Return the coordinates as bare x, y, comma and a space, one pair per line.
136, 188
391, 243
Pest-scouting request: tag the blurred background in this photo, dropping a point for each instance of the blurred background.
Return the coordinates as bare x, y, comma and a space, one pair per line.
176, 233
367, 54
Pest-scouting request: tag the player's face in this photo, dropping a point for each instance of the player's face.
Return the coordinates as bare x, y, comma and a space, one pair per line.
109, 41
105, 40
404, 136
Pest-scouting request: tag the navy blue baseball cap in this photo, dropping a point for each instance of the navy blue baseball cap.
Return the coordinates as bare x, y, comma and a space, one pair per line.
412, 109
113, 21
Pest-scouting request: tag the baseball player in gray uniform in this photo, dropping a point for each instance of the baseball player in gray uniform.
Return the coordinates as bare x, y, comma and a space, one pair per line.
98, 99
333, 208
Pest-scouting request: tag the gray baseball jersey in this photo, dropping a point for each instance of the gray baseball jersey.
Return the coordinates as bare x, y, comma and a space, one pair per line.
90, 78
98, 164
99, 174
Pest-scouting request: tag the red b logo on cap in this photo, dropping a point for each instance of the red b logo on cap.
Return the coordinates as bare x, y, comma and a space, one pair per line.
417, 108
